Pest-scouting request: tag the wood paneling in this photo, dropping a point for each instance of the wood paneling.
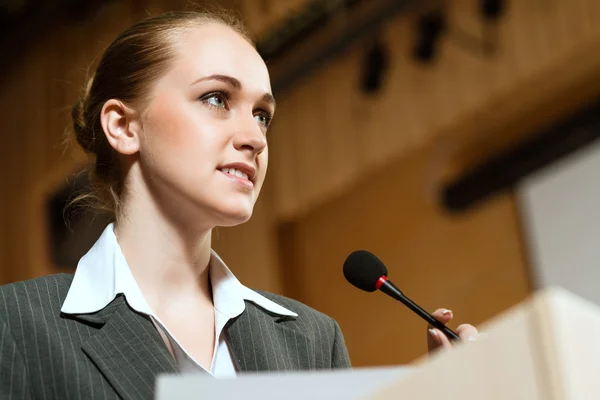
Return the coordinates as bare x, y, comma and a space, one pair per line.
545, 49
354, 171
472, 264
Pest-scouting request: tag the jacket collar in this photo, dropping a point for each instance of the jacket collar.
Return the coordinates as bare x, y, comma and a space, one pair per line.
127, 349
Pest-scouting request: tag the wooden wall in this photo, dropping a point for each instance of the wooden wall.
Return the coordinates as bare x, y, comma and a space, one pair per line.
354, 171
473, 264
545, 49
347, 171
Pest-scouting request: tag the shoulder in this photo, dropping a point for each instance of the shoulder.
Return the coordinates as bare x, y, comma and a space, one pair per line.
323, 331
32, 296
55, 284
308, 317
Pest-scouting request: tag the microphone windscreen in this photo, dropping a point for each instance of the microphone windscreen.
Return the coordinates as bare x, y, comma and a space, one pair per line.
363, 269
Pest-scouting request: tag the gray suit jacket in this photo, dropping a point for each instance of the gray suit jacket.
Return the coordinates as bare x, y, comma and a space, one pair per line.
117, 353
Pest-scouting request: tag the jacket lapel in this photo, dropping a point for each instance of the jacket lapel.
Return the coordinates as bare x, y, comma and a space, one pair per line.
128, 350
263, 341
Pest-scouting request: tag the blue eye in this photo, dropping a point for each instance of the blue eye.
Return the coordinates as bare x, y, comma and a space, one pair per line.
264, 118
216, 100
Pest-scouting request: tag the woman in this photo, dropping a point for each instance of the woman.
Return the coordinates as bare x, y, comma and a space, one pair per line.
177, 115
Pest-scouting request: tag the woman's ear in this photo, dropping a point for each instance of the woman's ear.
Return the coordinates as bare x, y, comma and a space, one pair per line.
121, 127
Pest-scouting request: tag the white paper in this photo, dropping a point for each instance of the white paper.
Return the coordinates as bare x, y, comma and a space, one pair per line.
353, 384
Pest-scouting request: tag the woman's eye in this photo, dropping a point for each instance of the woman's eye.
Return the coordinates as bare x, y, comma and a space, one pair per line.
215, 99
263, 119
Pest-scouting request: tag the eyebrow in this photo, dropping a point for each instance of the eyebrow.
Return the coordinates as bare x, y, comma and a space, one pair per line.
236, 84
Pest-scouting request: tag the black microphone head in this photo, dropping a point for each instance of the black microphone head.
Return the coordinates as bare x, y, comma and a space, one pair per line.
363, 269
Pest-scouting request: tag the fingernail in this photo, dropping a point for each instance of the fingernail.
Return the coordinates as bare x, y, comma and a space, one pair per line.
447, 312
433, 333
471, 338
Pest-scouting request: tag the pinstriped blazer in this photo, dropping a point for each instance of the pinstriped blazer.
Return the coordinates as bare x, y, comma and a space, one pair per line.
118, 353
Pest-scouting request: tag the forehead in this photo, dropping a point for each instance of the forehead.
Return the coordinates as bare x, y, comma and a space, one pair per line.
215, 48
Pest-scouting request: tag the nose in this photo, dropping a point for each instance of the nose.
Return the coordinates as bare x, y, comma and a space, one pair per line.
250, 137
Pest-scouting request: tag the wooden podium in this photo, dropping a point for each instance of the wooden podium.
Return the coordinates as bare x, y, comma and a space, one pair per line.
547, 348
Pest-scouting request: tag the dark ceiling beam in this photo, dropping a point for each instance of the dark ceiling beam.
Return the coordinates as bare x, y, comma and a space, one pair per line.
505, 170
307, 40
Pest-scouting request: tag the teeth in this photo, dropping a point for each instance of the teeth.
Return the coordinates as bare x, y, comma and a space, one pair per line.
232, 171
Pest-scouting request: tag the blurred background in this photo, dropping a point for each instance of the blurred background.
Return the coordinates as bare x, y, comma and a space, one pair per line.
454, 139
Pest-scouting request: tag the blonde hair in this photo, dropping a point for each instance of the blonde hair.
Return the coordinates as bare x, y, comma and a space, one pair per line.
127, 71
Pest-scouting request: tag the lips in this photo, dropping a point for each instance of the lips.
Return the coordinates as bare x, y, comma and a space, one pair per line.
241, 170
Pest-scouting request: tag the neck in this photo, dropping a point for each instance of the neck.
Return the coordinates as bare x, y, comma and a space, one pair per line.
169, 259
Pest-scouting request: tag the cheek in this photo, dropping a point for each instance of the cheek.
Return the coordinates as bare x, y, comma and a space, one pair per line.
168, 125
176, 130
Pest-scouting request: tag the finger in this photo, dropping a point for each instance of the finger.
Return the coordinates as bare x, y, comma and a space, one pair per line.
443, 315
467, 332
433, 340
436, 339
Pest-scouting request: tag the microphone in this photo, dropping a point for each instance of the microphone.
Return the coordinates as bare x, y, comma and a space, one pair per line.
365, 271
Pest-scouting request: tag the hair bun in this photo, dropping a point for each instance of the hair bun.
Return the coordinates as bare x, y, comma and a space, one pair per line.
83, 134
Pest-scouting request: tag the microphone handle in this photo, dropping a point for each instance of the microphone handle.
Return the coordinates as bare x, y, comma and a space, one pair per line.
388, 288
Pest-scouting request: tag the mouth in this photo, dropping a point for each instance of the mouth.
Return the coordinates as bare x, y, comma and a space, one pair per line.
235, 172
241, 170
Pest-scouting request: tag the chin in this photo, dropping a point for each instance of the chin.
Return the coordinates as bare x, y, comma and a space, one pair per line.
234, 221
234, 216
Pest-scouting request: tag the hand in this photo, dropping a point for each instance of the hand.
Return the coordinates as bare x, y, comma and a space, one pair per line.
436, 339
